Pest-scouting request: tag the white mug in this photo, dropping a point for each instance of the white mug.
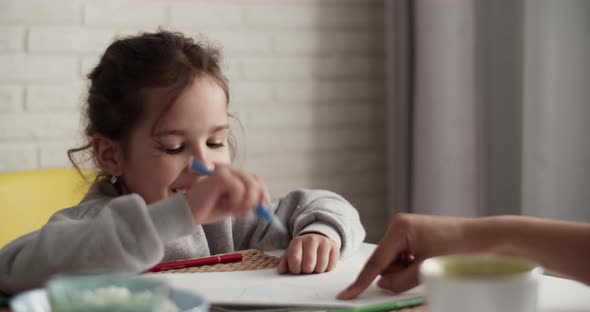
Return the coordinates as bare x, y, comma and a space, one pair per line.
480, 282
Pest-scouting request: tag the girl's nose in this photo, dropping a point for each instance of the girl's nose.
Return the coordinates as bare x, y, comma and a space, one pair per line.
201, 156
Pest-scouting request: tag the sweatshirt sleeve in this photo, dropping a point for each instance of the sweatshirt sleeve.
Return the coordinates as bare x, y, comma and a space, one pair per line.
125, 235
304, 211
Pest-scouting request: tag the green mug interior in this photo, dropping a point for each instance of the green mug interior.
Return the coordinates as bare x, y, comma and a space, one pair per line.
476, 266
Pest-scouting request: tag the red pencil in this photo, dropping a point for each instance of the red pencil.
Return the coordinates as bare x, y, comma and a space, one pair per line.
225, 258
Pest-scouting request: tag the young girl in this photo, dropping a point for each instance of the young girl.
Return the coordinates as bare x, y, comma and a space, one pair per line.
154, 101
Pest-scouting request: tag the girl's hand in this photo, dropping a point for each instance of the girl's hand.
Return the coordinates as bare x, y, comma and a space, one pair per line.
309, 253
226, 192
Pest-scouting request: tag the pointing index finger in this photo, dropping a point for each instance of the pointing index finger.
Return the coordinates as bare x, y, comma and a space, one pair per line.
379, 261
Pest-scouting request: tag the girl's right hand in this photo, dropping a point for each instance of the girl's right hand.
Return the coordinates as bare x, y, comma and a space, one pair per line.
226, 192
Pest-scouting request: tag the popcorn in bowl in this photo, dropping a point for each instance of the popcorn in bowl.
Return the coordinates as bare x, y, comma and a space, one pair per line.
98, 293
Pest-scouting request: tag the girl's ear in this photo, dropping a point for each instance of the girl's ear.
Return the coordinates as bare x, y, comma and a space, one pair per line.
109, 155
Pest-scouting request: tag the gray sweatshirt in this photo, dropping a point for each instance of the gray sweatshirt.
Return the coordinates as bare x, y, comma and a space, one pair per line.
109, 232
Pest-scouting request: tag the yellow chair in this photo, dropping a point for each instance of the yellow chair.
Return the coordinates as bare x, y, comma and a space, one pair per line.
29, 198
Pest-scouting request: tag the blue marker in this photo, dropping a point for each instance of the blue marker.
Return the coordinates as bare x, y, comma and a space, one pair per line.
265, 214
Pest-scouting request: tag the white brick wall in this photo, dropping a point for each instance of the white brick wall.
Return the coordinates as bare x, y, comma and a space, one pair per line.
23, 68
315, 16
207, 14
122, 13
35, 12
301, 68
12, 38
328, 42
68, 40
11, 98
55, 97
18, 156
306, 79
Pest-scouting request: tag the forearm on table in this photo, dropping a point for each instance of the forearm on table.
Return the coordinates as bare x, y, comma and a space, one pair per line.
558, 246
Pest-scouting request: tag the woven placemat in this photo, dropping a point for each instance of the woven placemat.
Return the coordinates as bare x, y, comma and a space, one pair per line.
254, 259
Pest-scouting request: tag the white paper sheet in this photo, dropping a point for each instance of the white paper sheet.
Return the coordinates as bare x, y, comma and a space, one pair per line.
268, 288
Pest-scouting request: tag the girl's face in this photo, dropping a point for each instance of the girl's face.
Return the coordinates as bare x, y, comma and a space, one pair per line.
196, 124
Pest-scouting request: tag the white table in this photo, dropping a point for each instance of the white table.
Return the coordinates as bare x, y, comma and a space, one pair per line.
266, 287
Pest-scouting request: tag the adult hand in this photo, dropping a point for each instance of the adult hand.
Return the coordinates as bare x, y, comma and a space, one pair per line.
409, 240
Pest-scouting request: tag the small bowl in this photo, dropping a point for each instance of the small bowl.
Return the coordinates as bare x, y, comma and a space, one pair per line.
94, 293
480, 282
36, 301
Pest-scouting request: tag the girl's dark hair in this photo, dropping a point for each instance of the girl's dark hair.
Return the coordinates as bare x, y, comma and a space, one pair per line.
131, 65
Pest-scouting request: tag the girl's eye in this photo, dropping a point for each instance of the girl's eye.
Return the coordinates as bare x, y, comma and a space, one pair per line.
175, 150
215, 145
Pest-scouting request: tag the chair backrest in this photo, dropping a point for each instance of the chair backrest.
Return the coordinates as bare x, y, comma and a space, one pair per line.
29, 198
